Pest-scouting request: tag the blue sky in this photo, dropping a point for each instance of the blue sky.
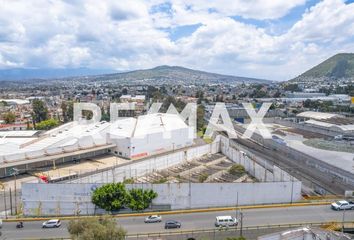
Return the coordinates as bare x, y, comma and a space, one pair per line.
271, 39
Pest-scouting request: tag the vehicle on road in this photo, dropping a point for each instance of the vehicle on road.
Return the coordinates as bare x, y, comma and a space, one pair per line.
342, 205
153, 219
225, 221
19, 225
172, 224
53, 223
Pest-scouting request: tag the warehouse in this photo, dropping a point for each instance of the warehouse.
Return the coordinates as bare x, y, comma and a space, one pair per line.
149, 135
131, 138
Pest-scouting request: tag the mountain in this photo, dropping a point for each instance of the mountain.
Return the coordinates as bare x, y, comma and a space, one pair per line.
173, 75
158, 75
336, 67
16, 74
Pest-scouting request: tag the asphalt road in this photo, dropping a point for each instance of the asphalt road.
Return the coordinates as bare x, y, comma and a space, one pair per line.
135, 225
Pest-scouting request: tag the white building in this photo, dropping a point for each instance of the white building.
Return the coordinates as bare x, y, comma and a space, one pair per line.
149, 135
131, 138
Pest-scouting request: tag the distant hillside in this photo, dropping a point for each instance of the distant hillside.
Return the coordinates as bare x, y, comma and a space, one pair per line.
17, 74
339, 66
157, 75
174, 75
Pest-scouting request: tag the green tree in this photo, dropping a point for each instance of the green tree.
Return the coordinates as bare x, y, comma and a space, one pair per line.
40, 111
47, 124
114, 196
111, 196
9, 117
67, 110
105, 115
95, 229
140, 199
200, 117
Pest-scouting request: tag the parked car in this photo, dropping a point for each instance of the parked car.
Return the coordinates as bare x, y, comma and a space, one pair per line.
225, 221
153, 219
53, 223
342, 205
172, 224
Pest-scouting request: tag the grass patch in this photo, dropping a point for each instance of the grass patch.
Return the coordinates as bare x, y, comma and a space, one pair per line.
330, 145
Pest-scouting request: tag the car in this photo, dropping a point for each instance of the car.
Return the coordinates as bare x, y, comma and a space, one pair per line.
53, 223
225, 221
153, 219
342, 205
172, 224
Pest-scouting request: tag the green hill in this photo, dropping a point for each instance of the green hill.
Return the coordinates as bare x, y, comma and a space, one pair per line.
338, 66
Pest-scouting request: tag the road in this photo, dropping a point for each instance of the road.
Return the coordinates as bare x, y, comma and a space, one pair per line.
133, 225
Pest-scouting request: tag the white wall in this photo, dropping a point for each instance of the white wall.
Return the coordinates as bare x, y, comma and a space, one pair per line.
66, 199
148, 165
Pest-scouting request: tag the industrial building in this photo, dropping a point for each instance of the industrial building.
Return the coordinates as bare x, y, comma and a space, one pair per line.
327, 123
150, 134
130, 138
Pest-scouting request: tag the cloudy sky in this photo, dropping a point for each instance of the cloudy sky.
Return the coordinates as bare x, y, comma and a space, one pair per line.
272, 39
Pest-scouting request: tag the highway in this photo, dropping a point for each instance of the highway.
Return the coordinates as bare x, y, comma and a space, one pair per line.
134, 225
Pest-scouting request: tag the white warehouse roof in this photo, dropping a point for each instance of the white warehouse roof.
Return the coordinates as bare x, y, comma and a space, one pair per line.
317, 115
147, 124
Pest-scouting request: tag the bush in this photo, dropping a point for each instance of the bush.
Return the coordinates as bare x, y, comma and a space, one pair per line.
140, 199
47, 124
128, 181
237, 169
202, 177
93, 228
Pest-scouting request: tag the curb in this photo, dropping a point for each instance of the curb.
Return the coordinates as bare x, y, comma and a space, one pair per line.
188, 211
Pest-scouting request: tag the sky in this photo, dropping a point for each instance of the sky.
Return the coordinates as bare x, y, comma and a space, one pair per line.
269, 39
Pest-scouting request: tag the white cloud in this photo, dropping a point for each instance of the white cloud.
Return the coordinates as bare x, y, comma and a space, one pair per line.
122, 36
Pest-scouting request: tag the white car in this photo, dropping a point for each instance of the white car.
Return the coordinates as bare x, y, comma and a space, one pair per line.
53, 223
153, 219
342, 205
225, 221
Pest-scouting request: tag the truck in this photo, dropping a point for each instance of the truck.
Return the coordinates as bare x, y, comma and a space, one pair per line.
342, 205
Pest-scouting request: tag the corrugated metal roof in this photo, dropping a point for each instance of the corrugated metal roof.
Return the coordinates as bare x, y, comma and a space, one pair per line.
317, 115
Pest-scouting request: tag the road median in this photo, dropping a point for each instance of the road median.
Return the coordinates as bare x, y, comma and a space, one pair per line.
174, 212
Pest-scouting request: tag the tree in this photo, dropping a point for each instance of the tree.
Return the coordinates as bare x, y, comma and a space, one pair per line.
40, 111
140, 199
95, 229
200, 117
47, 124
67, 110
114, 196
105, 115
9, 117
110, 197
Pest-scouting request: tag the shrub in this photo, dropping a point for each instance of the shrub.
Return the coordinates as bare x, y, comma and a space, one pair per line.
92, 229
202, 177
237, 169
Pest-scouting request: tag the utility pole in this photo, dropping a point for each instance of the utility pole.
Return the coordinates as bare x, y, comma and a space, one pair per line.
241, 222
343, 221
15, 172
10, 201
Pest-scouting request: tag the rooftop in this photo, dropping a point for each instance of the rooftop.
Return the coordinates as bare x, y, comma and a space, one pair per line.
318, 115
